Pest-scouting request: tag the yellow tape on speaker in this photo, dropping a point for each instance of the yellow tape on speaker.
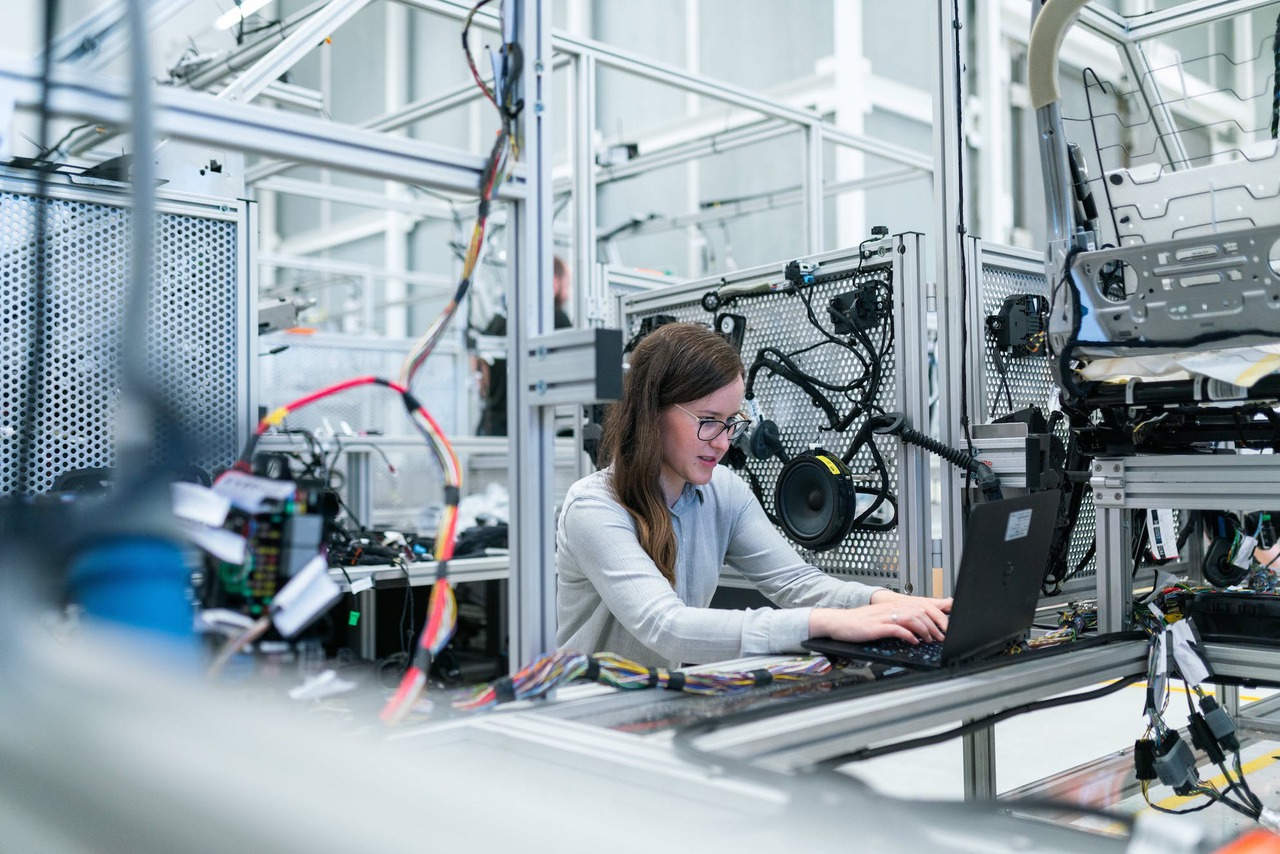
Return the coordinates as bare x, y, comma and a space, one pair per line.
829, 463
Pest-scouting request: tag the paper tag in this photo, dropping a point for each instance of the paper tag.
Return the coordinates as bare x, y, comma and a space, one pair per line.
197, 503
1159, 686
307, 596
321, 685
252, 494
224, 545
1188, 654
363, 584
1162, 534
1244, 551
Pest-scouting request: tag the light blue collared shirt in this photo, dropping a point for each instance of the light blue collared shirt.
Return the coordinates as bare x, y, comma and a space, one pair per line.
612, 598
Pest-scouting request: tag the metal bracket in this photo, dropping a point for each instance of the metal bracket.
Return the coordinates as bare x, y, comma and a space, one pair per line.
1108, 483
575, 366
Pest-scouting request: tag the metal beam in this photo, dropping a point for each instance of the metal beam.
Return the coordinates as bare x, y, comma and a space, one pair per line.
293, 95
781, 199
402, 117
351, 268
426, 208
219, 68
532, 588
812, 733
1163, 22
96, 40
250, 83
613, 57
196, 117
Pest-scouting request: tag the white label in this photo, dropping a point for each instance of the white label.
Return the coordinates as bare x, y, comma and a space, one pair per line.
1244, 551
197, 503
1188, 655
1162, 534
307, 595
226, 546
1019, 525
363, 584
252, 494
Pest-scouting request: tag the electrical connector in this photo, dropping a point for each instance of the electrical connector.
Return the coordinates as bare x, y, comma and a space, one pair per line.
800, 272
1176, 764
1144, 759
1203, 738
1220, 724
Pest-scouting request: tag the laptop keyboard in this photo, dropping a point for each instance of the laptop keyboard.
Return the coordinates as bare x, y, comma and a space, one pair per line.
929, 652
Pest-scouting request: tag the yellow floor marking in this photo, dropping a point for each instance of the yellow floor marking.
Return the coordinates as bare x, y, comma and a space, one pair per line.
1220, 782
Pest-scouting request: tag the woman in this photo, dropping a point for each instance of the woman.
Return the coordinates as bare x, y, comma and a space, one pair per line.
640, 544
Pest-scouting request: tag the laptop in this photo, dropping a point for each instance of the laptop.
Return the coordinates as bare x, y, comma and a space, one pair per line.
1006, 550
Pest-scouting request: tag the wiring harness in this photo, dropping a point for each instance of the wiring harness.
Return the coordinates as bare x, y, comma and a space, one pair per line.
1161, 754
550, 671
442, 606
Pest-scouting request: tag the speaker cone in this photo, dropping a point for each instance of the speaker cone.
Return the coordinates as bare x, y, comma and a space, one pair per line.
814, 497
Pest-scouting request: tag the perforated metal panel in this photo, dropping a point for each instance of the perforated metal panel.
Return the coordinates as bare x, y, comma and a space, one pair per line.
1008, 272
198, 328
780, 320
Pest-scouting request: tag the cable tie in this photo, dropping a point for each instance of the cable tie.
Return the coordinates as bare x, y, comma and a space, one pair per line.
675, 681
654, 676
1131, 389
442, 571
593, 670
411, 403
504, 690
762, 676
452, 496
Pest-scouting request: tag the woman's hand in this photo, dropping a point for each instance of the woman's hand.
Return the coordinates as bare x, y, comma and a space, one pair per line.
890, 615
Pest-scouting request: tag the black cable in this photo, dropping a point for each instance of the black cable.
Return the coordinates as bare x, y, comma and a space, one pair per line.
961, 231
1002, 368
866, 386
406, 617
1097, 146
1275, 81
982, 723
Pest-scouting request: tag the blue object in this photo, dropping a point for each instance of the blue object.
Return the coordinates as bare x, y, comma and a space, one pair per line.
140, 582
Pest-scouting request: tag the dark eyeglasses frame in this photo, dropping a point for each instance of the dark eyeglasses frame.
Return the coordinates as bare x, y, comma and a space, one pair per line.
710, 428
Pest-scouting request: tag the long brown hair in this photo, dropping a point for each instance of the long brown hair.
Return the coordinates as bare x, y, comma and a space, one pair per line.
676, 363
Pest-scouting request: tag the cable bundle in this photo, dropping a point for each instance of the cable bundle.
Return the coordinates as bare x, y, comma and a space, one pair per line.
533, 680
1073, 623
549, 671
628, 675
442, 610
507, 66
1162, 754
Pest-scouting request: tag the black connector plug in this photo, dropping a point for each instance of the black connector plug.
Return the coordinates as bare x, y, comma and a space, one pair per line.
1203, 738
1144, 759
800, 272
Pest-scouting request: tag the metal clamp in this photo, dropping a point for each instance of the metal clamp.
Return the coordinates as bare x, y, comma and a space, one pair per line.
1108, 483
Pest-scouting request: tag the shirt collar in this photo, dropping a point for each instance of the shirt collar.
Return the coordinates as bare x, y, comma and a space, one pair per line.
687, 496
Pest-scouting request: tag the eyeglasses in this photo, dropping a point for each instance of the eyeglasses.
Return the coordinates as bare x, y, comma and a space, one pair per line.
710, 428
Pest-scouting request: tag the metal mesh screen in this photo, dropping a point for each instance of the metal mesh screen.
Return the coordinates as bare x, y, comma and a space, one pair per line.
780, 320
196, 327
1025, 381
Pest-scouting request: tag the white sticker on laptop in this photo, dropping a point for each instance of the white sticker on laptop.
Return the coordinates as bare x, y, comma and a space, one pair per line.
1019, 525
